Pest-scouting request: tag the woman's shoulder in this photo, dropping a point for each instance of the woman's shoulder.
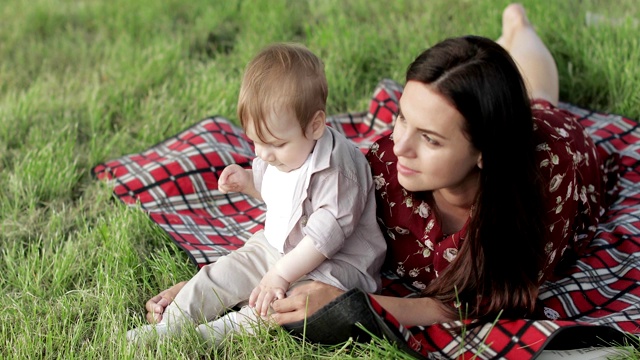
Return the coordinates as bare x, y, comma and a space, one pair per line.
556, 125
381, 151
559, 136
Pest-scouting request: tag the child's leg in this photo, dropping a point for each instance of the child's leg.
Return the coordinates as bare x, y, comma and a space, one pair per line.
218, 286
243, 320
225, 283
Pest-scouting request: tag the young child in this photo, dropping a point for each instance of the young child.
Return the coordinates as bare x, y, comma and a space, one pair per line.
318, 190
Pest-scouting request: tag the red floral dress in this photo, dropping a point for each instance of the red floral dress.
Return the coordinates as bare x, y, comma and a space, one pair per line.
569, 164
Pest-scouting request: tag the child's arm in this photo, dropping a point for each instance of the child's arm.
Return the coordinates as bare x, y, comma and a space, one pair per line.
235, 178
295, 264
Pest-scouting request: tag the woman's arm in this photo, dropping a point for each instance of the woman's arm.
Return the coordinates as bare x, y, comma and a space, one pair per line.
306, 299
414, 311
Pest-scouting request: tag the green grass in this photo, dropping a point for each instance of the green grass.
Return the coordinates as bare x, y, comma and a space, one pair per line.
82, 82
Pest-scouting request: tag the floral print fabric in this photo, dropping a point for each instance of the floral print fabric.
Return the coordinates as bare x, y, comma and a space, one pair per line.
417, 249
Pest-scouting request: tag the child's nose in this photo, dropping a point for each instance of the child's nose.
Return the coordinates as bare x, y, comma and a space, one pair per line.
265, 154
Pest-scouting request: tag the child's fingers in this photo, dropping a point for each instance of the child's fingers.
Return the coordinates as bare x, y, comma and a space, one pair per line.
227, 175
260, 301
228, 183
254, 297
153, 317
266, 303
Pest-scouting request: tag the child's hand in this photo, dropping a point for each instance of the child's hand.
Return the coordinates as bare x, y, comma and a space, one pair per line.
233, 179
271, 287
157, 304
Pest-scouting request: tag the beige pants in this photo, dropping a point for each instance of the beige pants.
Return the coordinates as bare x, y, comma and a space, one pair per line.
223, 284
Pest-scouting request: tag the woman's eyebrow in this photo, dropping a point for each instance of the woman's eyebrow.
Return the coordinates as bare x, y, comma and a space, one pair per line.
431, 132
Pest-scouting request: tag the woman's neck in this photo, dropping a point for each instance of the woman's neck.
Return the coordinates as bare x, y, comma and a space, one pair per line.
454, 207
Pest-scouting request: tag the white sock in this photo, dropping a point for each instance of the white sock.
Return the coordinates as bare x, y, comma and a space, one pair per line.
215, 332
170, 325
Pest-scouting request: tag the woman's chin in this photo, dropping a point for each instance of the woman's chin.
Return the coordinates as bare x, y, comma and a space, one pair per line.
411, 184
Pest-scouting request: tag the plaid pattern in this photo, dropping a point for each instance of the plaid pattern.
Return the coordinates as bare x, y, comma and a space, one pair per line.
175, 182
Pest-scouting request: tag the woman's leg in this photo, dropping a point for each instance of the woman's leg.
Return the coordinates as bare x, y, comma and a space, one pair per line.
535, 61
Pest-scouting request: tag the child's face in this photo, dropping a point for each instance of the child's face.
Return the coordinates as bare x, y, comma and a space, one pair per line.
285, 146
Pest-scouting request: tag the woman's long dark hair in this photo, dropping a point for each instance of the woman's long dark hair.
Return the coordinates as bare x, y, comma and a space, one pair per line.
497, 267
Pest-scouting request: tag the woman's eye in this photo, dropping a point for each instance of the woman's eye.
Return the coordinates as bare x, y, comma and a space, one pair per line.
430, 140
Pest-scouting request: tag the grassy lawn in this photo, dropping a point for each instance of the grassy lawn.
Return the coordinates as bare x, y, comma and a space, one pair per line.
82, 82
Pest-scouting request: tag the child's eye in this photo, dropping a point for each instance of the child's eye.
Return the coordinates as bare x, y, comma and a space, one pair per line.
278, 145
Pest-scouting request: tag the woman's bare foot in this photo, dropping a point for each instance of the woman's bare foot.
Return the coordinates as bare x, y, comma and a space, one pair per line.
514, 19
535, 62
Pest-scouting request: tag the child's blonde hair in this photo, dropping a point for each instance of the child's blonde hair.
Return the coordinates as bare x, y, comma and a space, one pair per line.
282, 76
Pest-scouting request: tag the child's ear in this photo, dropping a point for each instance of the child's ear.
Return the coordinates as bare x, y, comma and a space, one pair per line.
480, 161
317, 124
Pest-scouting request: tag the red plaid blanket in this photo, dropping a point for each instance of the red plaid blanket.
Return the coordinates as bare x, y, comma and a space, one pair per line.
175, 182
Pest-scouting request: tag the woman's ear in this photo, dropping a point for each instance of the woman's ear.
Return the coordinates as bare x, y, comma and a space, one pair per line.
317, 125
480, 161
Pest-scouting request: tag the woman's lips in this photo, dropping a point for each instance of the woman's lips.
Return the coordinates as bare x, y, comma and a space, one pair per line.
405, 170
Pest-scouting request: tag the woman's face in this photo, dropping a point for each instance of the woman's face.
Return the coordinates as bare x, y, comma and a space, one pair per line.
432, 149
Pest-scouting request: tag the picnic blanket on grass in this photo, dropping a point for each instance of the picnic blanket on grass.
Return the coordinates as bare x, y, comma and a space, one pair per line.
175, 183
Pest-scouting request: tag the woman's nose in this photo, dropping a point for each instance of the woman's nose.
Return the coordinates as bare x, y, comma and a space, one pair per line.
401, 143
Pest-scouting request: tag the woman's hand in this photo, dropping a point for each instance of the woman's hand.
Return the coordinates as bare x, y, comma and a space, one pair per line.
303, 301
156, 305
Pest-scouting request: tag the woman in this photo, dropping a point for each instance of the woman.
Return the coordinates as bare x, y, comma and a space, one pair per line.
480, 191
